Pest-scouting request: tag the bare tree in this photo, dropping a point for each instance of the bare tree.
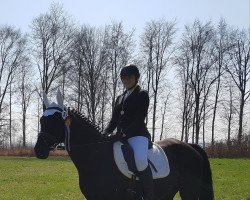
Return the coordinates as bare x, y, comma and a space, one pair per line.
10, 121
104, 101
229, 109
89, 50
239, 69
76, 75
12, 45
119, 48
197, 69
52, 39
222, 46
183, 63
26, 90
163, 114
156, 42
98, 57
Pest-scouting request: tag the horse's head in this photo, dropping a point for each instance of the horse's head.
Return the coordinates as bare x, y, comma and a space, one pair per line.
52, 130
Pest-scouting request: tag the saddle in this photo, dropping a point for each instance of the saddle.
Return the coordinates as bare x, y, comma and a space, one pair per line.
124, 159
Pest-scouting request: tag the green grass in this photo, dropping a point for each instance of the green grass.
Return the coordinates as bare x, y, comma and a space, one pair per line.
231, 178
30, 178
56, 178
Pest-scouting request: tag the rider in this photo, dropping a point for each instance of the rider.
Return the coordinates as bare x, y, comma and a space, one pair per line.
128, 117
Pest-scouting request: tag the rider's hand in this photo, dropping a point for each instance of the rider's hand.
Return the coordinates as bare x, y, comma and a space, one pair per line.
118, 136
105, 133
113, 136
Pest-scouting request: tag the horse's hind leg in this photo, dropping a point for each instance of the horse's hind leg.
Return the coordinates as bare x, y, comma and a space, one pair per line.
188, 195
189, 190
168, 197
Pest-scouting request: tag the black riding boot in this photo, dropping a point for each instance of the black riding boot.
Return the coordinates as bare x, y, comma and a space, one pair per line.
146, 179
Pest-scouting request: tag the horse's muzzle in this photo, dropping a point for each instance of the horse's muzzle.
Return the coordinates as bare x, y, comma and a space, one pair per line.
41, 150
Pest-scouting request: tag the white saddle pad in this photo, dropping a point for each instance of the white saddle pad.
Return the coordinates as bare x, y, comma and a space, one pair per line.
156, 155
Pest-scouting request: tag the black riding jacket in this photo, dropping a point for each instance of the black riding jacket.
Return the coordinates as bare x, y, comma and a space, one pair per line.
129, 115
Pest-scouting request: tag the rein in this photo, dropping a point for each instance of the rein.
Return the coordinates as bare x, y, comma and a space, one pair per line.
91, 143
67, 140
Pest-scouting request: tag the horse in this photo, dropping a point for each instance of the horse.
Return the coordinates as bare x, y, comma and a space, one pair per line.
99, 177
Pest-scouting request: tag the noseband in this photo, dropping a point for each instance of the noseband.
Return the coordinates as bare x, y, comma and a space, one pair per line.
49, 139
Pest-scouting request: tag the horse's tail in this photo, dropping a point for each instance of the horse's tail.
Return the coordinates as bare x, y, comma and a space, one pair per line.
206, 190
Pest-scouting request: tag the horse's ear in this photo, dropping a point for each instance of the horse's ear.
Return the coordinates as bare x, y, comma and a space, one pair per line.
45, 100
59, 98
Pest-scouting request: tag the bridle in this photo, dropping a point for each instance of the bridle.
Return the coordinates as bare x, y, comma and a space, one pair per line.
48, 138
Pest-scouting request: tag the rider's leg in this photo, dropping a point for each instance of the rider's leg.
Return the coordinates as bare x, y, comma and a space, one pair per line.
139, 145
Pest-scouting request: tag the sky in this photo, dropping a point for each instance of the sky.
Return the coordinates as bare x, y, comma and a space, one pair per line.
133, 13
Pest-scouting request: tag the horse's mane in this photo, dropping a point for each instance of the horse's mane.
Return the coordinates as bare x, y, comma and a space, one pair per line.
84, 119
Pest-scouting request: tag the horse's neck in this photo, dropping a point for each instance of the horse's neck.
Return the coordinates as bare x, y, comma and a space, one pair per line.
82, 132
87, 158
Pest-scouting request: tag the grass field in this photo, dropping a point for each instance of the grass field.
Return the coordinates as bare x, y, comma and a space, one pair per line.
56, 178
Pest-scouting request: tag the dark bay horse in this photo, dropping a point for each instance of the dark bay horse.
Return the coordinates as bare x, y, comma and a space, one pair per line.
99, 177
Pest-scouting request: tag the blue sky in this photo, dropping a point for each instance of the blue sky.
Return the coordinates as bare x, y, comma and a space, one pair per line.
133, 13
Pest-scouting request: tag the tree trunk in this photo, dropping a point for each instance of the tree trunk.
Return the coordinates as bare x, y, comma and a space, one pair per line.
193, 128
197, 119
154, 116
184, 118
240, 130
10, 117
215, 106
230, 119
163, 119
203, 127
24, 128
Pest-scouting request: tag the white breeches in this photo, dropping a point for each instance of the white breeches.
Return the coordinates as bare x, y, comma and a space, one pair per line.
139, 145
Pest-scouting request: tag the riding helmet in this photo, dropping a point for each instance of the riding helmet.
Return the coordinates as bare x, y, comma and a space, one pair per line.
129, 70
